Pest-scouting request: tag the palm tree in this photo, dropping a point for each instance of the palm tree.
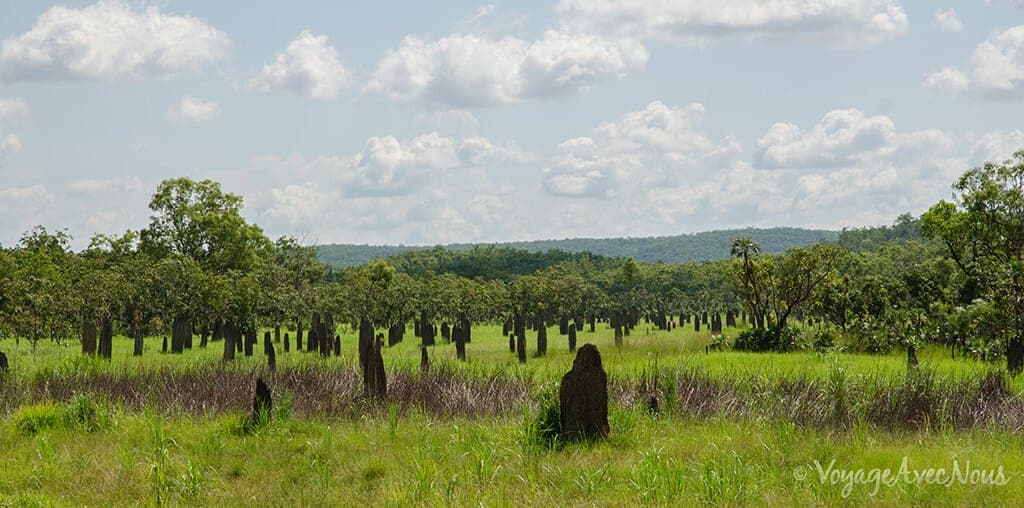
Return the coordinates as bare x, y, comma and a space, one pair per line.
747, 249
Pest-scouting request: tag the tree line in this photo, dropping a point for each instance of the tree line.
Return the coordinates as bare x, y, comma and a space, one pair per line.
953, 277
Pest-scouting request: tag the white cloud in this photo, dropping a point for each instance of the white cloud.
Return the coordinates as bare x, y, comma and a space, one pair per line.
841, 137
656, 171
947, 78
97, 186
309, 66
656, 146
109, 40
12, 109
457, 118
995, 70
22, 208
465, 70
301, 203
10, 143
840, 23
947, 21
33, 193
192, 111
997, 64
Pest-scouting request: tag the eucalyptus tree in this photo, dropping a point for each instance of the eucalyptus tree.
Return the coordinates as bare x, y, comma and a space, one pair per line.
199, 221
200, 229
100, 289
291, 278
983, 232
374, 295
7, 267
423, 306
40, 290
775, 287
178, 284
465, 301
627, 296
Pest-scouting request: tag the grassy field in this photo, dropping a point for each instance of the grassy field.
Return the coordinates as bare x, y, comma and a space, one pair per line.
734, 428
645, 350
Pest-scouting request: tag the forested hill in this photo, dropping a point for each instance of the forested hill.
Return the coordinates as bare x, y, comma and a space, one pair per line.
705, 246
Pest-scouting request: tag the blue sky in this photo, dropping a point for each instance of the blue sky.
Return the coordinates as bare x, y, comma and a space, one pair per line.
421, 123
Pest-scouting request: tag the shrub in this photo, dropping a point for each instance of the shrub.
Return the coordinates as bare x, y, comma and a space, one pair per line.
82, 412
767, 339
544, 428
37, 417
823, 340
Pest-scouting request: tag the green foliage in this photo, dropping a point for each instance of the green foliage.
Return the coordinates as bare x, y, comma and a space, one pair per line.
705, 246
823, 340
543, 429
81, 412
768, 339
905, 228
36, 418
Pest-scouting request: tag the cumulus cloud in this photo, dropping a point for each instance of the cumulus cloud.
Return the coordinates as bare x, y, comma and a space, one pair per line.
104, 186
21, 208
841, 137
466, 70
192, 111
11, 110
10, 143
109, 40
947, 21
839, 23
851, 166
947, 78
301, 203
36, 193
658, 145
656, 170
997, 64
387, 166
427, 188
309, 66
85, 207
995, 69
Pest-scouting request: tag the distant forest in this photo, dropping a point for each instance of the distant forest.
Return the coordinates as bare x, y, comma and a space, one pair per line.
706, 246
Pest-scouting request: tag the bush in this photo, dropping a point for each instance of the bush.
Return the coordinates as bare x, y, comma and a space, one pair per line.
82, 412
38, 417
767, 339
545, 428
823, 340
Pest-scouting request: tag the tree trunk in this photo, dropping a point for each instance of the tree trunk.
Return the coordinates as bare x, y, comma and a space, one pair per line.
230, 336
106, 346
1015, 355
542, 338
911, 356
139, 343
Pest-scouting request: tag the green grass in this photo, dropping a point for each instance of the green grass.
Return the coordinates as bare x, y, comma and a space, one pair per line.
86, 451
646, 349
416, 460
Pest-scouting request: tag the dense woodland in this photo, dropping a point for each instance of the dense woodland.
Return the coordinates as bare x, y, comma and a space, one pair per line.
953, 277
705, 246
